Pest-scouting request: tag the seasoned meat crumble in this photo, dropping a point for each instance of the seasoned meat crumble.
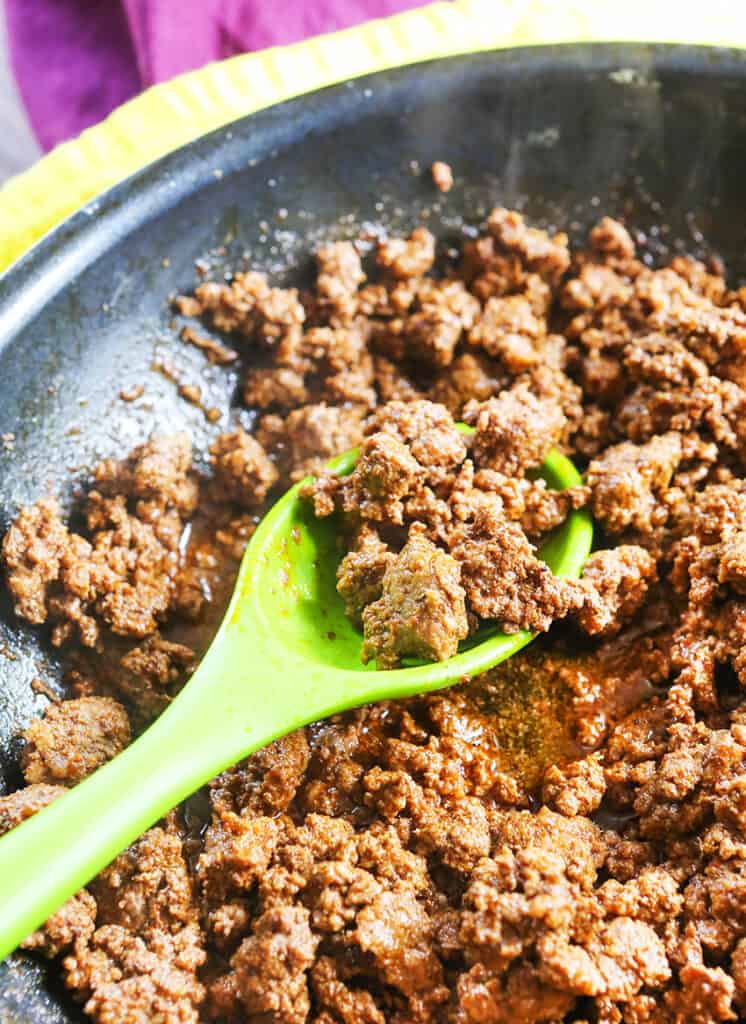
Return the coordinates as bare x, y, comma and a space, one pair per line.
560, 840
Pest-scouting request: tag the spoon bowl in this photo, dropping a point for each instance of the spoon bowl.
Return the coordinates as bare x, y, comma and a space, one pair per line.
286, 596
285, 655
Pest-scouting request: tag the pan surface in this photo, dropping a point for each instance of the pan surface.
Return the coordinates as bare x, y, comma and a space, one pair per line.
654, 134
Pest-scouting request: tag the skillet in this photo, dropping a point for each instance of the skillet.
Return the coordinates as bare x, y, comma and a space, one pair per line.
654, 134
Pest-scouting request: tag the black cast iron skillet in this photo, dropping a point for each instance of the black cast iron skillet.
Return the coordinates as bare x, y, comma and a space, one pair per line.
654, 134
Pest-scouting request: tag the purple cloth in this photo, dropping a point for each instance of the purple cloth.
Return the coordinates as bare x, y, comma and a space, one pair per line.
75, 60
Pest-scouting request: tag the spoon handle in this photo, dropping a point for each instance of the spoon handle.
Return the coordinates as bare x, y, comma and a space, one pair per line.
51, 855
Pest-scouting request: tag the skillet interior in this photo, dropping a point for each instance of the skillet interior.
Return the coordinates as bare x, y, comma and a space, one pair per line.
654, 134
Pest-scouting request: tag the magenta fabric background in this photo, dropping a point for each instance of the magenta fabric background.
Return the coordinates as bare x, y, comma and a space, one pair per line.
75, 60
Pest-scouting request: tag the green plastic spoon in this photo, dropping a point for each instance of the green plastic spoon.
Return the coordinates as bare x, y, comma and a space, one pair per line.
285, 655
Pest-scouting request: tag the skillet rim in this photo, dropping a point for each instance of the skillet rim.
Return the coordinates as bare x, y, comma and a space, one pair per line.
37, 276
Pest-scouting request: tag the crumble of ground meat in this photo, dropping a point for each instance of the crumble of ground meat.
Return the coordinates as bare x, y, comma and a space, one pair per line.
411, 257
628, 481
147, 675
275, 388
492, 272
535, 956
514, 431
548, 257
421, 610
509, 330
323, 350
340, 275
22, 803
132, 573
271, 966
191, 590
331, 362
503, 578
246, 306
120, 976
610, 238
575, 788
157, 473
72, 925
470, 376
442, 176
391, 383
147, 887
310, 436
122, 578
361, 571
428, 430
384, 473
396, 930
338, 1001
213, 349
431, 335
616, 583
243, 472
35, 549
144, 955
266, 783
531, 502
120, 575
73, 739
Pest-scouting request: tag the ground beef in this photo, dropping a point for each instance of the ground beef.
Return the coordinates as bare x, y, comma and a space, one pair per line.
431, 335
310, 436
361, 571
73, 739
122, 977
560, 839
147, 887
72, 925
503, 578
548, 257
514, 431
146, 675
611, 239
120, 574
243, 472
21, 804
427, 429
616, 583
157, 474
331, 363
531, 502
628, 481
412, 472
411, 257
271, 966
281, 388
422, 609
214, 350
248, 307
575, 788
141, 961
468, 377
442, 176
509, 330
36, 550
340, 274
384, 474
